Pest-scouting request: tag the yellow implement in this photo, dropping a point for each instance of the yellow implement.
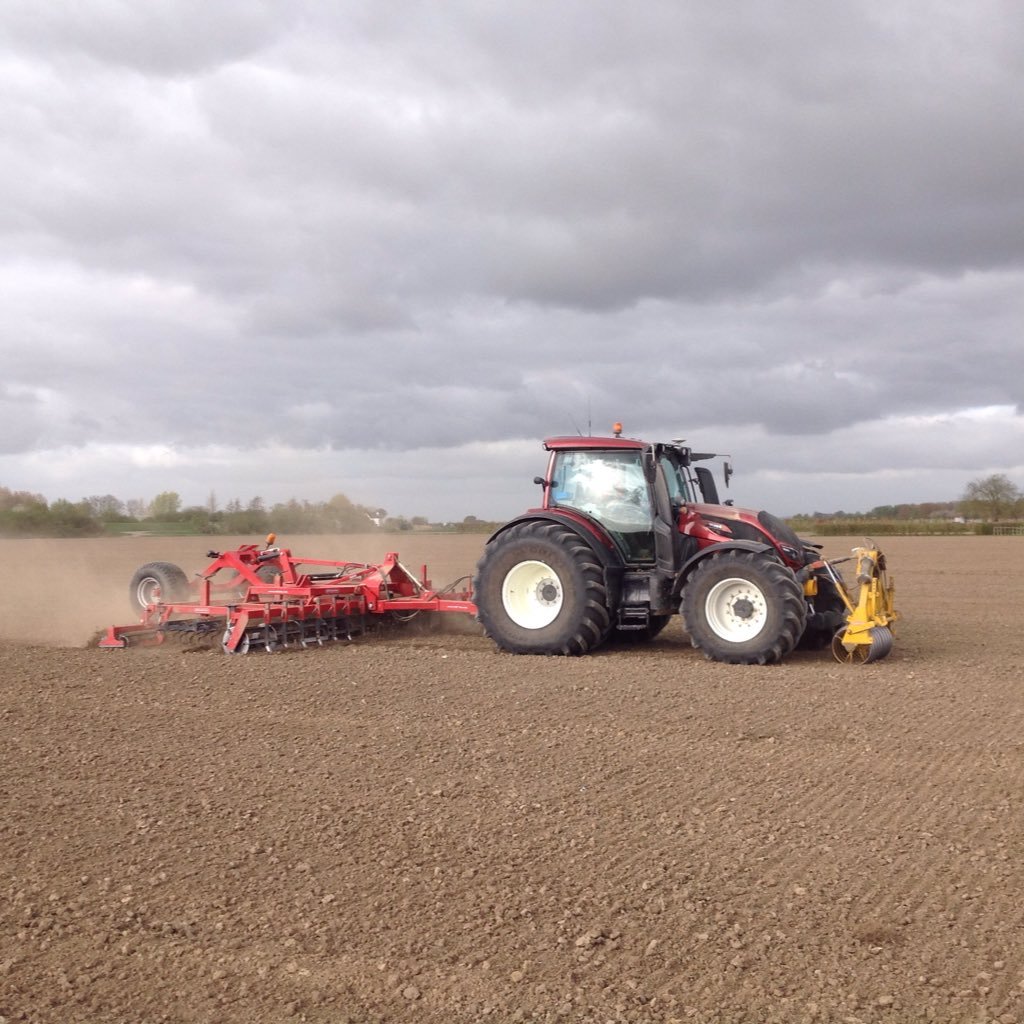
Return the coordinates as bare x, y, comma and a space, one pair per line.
870, 622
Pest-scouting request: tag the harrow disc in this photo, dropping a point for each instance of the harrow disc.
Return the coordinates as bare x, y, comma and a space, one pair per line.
863, 654
243, 644
254, 638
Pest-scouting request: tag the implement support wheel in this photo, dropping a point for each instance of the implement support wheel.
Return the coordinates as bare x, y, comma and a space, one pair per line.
157, 581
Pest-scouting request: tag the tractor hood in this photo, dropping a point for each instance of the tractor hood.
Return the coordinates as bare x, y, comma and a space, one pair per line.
727, 522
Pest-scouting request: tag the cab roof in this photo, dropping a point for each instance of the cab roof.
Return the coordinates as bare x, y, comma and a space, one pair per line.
553, 444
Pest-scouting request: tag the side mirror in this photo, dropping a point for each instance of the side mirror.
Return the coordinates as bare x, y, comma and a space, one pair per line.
727, 472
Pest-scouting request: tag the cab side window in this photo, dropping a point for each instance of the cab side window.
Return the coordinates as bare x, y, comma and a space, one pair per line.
675, 477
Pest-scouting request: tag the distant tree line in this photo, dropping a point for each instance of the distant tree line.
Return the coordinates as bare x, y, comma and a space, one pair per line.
338, 515
29, 515
23, 514
987, 500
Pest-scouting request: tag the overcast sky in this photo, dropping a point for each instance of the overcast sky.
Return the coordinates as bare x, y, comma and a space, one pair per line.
293, 249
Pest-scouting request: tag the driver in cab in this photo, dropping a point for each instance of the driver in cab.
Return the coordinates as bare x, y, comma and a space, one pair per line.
606, 486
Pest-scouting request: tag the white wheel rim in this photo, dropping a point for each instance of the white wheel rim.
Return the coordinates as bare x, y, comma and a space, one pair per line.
532, 595
736, 610
147, 592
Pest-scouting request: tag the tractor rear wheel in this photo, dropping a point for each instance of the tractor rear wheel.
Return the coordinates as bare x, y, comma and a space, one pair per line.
540, 590
157, 581
744, 608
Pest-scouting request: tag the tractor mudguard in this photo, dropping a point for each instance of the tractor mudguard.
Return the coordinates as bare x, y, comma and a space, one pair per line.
590, 533
728, 545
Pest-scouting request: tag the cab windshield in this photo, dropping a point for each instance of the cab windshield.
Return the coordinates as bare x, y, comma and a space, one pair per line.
610, 487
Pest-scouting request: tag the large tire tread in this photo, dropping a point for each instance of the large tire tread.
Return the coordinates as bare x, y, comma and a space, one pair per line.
170, 578
788, 614
584, 621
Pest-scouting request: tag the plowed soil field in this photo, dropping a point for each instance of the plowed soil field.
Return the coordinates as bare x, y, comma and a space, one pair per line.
415, 827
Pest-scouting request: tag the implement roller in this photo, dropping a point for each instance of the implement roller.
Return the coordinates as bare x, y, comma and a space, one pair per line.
265, 598
868, 632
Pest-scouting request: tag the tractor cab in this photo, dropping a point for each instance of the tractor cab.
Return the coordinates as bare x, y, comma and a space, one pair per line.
610, 487
629, 487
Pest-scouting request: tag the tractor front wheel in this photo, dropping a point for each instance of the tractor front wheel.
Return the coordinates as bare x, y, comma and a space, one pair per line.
540, 590
743, 608
157, 581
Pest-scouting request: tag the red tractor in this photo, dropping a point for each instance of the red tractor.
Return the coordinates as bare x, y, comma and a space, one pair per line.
628, 534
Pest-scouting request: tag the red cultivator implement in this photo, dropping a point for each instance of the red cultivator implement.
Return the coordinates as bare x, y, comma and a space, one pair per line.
264, 598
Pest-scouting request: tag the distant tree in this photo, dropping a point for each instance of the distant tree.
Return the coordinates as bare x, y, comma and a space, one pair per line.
471, 524
23, 514
106, 508
135, 508
251, 519
991, 498
342, 515
165, 506
199, 519
258, 520
11, 501
72, 520
290, 517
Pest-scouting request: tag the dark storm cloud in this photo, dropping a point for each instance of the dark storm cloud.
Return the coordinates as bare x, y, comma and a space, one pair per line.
395, 227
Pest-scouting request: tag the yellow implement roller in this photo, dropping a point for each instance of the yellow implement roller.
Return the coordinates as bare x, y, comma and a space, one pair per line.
870, 620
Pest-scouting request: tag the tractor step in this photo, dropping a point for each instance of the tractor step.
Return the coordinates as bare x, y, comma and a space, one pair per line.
634, 618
